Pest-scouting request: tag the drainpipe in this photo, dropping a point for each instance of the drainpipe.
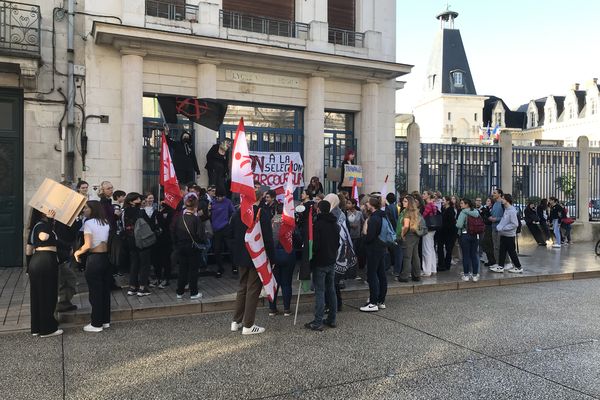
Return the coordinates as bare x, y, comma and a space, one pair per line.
70, 162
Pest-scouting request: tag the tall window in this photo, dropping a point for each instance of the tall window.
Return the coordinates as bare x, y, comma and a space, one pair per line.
594, 107
571, 112
532, 122
457, 78
449, 116
475, 117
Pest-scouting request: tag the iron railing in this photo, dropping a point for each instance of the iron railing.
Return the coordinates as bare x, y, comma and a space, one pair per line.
539, 173
462, 170
594, 200
401, 166
346, 38
268, 26
20, 27
175, 10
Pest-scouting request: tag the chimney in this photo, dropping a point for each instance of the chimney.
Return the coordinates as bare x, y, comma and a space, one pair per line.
576, 86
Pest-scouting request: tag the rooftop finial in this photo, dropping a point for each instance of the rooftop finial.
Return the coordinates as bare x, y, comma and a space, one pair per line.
447, 17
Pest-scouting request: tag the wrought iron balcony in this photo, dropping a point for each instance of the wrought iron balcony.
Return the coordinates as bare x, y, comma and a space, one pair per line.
269, 26
175, 10
346, 38
20, 27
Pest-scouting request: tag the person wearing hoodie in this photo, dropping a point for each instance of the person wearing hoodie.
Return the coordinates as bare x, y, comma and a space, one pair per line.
468, 243
507, 230
326, 239
375, 250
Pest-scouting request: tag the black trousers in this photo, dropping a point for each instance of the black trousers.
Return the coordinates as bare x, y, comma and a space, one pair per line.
139, 266
507, 245
43, 282
99, 279
189, 263
185, 176
536, 233
219, 242
161, 259
445, 244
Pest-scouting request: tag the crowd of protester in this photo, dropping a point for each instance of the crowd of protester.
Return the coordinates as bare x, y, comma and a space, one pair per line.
414, 236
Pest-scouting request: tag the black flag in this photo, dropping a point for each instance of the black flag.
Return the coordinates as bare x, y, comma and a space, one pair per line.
206, 112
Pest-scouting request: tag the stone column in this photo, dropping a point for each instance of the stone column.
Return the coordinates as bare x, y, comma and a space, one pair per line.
132, 141
368, 143
413, 136
506, 169
314, 148
205, 138
583, 189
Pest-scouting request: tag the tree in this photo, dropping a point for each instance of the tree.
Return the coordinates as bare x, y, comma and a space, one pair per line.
566, 184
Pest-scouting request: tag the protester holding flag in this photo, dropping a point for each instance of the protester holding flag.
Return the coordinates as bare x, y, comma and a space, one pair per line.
324, 253
184, 157
250, 282
285, 262
217, 164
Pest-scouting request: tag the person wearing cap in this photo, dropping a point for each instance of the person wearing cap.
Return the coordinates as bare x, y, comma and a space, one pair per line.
184, 158
221, 212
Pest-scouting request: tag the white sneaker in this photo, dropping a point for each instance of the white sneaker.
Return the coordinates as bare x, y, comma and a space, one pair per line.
476, 278
497, 269
90, 328
466, 277
179, 296
369, 308
493, 266
556, 246
381, 306
58, 332
196, 296
516, 270
35, 334
105, 326
253, 330
235, 326
508, 268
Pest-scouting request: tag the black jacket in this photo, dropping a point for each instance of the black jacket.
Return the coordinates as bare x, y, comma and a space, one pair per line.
181, 237
531, 216
540, 213
374, 229
448, 220
326, 240
485, 214
183, 155
217, 162
557, 212
240, 255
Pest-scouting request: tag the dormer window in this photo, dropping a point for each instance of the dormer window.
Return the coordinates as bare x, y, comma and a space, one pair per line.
571, 112
431, 82
594, 107
457, 79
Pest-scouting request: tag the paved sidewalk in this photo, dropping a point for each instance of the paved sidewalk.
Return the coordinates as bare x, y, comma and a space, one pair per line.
541, 264
537, 341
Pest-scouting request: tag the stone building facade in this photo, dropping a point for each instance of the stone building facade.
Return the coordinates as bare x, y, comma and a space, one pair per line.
329, 63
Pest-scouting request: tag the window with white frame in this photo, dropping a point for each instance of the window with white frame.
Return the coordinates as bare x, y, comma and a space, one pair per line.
457, 78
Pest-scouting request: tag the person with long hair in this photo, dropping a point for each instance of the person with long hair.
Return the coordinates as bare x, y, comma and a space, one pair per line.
487, 243
43, 274
399, 250
283, 267
348, 160
411, 265
542, 212
355, 220
468, 243
532, 220
429, 255
189, 236
315, 187
139, 259
446, 236
97, 272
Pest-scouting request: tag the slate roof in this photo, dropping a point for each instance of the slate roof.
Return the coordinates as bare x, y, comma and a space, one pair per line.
512, 119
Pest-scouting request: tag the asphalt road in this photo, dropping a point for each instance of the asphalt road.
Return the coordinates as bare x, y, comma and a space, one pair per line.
516, 342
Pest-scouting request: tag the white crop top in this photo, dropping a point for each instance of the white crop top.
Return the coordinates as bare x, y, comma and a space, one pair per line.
98, 231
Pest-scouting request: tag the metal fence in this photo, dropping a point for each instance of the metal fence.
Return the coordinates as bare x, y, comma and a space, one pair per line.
269, 26
594, 201
176, 10
401, 177
461, 170
20, 27
346, 38
544, 172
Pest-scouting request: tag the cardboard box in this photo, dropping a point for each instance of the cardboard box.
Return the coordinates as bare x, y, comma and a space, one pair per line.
51, 195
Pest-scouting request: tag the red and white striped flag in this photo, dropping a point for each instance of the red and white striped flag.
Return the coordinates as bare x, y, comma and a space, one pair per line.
355, 190
256, 248
288, 222
242, 176
167, 177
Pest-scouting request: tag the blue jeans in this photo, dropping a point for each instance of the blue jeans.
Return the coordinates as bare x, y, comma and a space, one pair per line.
323, 282
398, 258
556, 228
284, 273
469, 245
376, 274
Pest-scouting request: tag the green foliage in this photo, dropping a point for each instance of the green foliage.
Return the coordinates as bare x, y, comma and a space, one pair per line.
566, 184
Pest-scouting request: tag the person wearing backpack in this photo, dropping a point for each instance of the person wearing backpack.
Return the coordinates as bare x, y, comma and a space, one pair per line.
470, 226
139, 257
507, 229
413, 228
375, 248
